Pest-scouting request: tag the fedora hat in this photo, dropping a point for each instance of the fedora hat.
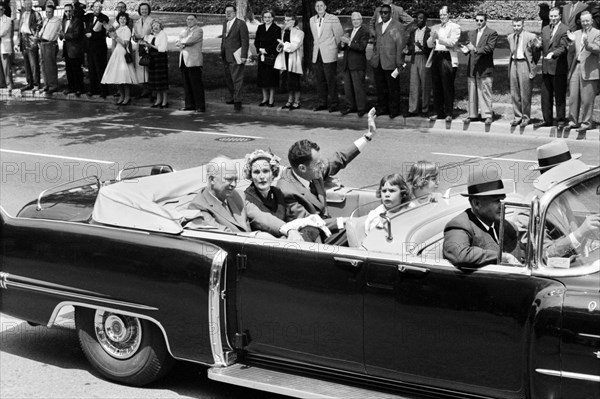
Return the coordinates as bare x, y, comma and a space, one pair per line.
552, 154
559, 173
481, 185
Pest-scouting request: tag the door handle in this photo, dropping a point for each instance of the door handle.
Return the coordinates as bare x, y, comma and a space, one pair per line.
356, 263
421, 271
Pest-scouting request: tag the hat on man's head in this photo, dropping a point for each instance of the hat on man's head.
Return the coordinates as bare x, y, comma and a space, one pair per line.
481, 184
559, 173
552, 154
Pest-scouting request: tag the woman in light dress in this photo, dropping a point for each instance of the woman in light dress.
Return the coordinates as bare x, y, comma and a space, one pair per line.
118, 71
141, 28
289, 60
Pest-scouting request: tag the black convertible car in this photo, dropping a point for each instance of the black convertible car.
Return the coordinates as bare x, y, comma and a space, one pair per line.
380, 316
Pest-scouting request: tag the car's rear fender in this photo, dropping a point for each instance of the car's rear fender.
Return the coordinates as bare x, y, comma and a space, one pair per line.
162, 278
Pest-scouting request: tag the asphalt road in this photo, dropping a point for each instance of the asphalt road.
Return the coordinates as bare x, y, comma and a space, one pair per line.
51, 142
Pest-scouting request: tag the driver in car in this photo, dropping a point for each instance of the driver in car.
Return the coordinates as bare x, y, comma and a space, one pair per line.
471, 238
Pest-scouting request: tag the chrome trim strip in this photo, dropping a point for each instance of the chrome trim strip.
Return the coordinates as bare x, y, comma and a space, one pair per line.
214, 311
3, 280
59, 306
568, 374
11, 283
589, 335
39, 200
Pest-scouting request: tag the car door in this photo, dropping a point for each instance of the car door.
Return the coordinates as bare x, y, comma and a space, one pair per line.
302, 301
432, 324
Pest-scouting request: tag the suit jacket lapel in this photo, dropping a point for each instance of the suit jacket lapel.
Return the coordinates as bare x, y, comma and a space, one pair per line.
239, 214
217, 207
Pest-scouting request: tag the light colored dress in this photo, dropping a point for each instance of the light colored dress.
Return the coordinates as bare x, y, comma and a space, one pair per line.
118, 71
141, 28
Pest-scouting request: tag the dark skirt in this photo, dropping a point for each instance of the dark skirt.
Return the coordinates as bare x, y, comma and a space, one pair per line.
267, 76
290, 81
158, 72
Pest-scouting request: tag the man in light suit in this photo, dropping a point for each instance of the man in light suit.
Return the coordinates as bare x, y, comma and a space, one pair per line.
480, 69
73, 49
471, 239
398, 14
444, 63
190, 64
327, 32
386, 61
570, 11
303, 182
354, 65
584, 75
420, 76
521, 70
234, 52
226, 208
554, 70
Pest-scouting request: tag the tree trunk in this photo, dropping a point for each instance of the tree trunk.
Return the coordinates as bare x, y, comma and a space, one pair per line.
308, 9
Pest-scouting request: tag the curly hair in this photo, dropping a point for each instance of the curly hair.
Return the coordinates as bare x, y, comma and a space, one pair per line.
256, 155
395, 179
420, 172
123, 14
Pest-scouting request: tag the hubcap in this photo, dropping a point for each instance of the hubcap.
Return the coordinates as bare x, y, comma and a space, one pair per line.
120, 336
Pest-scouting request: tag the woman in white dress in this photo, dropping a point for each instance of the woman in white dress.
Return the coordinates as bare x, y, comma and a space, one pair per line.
118, 71
141, 28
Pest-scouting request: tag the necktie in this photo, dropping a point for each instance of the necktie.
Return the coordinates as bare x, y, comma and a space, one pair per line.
313, 189
516, 49
492, 231
227, 208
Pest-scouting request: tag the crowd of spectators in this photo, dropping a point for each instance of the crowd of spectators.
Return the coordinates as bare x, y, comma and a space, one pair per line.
568, 47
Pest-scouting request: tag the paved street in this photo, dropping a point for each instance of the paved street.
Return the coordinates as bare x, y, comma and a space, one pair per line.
44, 143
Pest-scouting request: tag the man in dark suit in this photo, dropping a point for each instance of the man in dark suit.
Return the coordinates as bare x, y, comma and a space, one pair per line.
386, 61
73, 49
480, 69
554, 70
471, 239
96, 48
234, 52
226, 208
354, 65
30, 24
521, 70
420, 76
303, 182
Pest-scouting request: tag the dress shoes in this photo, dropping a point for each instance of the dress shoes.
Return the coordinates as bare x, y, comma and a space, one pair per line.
345, 111
295, 106
516, 122
262, 104
237, 106
229, 102
27, 88
524, 122
584, 128
561, 125
572, 125
488, 121
320, 108
270, 105
287, 105
541, 124
126, 102
200, 109
161, 105
186, 109
155, 105
470, 119
45, 89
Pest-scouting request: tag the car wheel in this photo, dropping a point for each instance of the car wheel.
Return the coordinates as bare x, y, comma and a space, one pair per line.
122, 348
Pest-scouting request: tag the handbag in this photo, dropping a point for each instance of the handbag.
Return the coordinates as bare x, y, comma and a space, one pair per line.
269, 59
145, 60
128, 57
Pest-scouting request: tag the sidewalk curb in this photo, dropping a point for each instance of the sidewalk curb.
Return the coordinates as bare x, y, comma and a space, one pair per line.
420, 124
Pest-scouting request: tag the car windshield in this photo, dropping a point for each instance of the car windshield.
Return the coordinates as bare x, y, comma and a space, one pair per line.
571, 234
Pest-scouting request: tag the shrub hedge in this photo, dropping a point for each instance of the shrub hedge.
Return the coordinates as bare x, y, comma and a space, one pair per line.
458, 8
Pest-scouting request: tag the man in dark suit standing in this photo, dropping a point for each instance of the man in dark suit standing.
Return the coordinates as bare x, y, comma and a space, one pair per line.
73, 49
480, 69
554, 70
386, 61
303, 182
96, 48
354, 65
420, 76
471, 239
234, 52
30, 24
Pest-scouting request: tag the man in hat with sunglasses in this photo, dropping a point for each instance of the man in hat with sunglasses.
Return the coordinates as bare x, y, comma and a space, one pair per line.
471, 239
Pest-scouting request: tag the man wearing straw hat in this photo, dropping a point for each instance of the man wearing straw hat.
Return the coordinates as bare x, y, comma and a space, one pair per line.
556, 164
471, 239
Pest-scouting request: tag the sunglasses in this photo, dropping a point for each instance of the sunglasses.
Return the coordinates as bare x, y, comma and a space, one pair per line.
480, 20
384, 12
